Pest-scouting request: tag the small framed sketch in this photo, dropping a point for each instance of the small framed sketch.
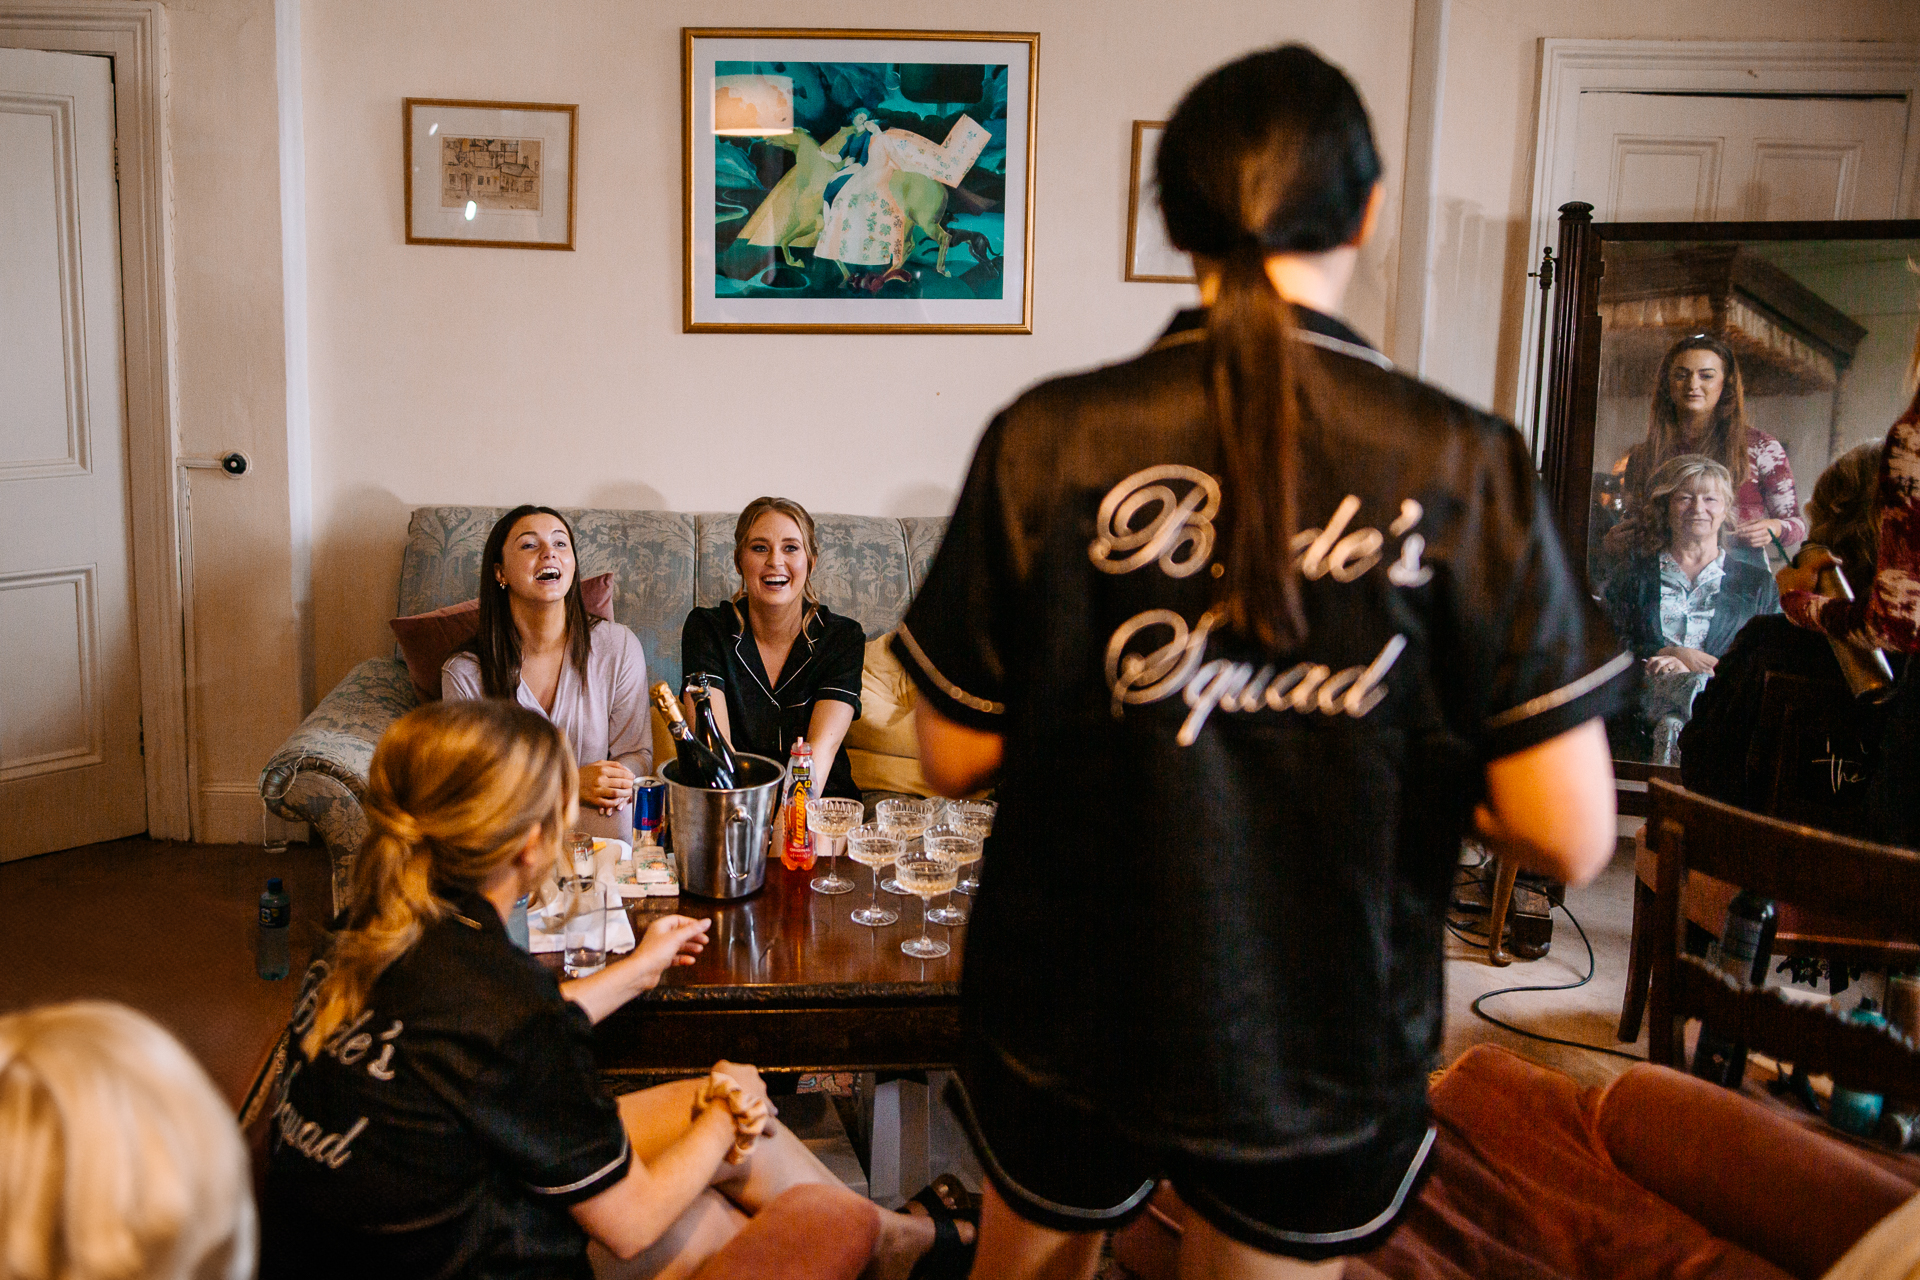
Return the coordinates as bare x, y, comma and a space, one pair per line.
858, 181
1150, 255
493, 174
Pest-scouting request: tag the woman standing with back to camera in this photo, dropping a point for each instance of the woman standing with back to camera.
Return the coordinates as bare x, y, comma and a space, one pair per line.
1250, 628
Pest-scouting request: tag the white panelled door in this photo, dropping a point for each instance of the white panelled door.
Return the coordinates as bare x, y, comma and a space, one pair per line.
70, 766
1669, 157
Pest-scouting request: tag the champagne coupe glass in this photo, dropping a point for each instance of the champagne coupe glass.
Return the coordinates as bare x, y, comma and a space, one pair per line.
830, 820
874, 848
949, 845
971, 818
928, 877
907, 819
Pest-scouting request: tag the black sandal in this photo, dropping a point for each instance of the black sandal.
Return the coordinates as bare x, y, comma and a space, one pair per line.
947, 1201
950, 1258
947, 1197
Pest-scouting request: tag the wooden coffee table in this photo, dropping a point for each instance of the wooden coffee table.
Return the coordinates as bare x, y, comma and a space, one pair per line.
788, 982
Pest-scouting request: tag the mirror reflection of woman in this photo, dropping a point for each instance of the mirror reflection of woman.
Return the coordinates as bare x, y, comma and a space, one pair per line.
1699, 407
1679, 601
538, 646
1680, 598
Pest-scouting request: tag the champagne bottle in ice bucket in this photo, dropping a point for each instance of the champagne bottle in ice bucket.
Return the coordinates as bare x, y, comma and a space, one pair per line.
706, 726
698, 766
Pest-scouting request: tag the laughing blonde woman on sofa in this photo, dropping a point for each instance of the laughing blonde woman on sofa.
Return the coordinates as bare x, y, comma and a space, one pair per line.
788, 666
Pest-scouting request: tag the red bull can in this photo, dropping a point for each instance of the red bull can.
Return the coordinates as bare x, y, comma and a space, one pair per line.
649, 808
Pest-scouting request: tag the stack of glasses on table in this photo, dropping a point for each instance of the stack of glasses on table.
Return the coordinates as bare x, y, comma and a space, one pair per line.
928, 842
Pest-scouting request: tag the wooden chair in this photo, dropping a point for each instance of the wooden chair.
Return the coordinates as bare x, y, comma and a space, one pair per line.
1814, 751
1872, 886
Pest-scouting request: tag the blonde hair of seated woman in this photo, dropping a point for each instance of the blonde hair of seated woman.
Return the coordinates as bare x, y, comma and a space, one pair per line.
118, 1158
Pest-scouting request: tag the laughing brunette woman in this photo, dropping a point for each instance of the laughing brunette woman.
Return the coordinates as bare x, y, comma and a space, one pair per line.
538, 646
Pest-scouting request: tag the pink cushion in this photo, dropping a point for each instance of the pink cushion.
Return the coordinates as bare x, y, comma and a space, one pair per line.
427, 640
1789, 1194
809, 1232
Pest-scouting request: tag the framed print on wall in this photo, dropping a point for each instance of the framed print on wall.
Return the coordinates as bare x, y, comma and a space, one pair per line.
858, 181
492, 174
1150, 255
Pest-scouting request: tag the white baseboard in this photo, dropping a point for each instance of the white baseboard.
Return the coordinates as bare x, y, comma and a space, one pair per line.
232, 813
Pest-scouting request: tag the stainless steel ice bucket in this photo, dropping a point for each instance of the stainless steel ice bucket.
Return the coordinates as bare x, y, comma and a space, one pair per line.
720, 837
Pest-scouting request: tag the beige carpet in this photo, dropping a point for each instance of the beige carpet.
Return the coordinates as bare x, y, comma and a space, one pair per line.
1587, 1014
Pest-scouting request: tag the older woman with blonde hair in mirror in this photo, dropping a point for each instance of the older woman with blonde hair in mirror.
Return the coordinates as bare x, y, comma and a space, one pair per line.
118, 1157
443, 1114
1680, 598
788, 666
1699, 407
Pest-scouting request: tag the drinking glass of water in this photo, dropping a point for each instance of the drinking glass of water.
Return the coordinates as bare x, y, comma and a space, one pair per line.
870, 846
928, 877
583, 904
580, 852
830, 819
950, 845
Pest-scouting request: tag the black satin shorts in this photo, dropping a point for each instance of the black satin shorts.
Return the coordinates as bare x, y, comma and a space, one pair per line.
1069, 1170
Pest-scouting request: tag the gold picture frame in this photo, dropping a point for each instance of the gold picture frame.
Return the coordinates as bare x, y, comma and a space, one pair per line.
1150, 255
858, 181
493, 175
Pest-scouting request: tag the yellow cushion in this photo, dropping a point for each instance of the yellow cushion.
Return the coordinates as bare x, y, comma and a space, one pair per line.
882, 746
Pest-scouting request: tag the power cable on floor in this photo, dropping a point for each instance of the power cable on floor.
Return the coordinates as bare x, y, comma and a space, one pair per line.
1479, 936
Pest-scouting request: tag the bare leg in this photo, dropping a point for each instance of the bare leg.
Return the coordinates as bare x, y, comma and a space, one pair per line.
694, 1237
1205, 1254
1011, 1248
656, 1117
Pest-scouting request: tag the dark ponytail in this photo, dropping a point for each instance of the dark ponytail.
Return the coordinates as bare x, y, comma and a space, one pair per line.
1270, 154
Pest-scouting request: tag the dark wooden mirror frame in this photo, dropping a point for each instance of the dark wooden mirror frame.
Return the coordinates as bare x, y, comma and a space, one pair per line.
1573, 372
1573, 353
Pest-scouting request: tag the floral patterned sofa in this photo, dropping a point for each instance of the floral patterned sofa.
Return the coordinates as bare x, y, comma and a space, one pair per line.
664, 563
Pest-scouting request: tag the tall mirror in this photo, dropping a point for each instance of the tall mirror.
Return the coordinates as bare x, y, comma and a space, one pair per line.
1704, 376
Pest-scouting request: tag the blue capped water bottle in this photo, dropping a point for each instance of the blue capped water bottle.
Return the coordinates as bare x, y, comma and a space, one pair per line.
270, 957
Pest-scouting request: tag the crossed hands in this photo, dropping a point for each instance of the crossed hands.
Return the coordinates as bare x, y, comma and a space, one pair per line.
1678, 657
747, 1103
606, 786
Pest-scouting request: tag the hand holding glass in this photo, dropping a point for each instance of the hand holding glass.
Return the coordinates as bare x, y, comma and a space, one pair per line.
927, 876
871, 847
830, 819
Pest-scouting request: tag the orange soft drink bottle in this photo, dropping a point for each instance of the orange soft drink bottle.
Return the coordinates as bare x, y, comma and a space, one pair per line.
796, 845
